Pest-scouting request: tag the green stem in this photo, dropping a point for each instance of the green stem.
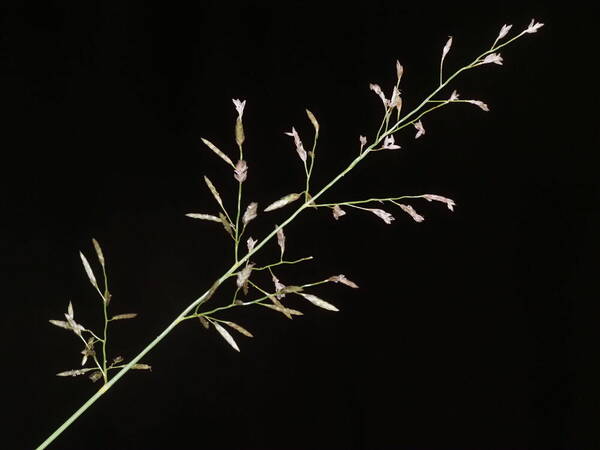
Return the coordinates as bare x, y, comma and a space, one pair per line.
310, 169
223, 308
384, 121
237, 220
237, 216
93, 334
369, 200
106, 299
94, 357
306, 258
316, 283
104, 356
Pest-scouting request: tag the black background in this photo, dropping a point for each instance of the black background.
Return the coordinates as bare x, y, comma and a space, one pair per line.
472, 330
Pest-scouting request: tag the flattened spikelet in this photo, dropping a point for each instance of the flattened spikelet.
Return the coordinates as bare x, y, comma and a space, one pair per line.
226, 224
291, 311
250, 213
88, 269
222, 155
124, 316
319, 302
239, 328
283, 201
203, 217
205, 323
61, 324
313, 120
223, 332
98, 251
342, 279
213, 191
281, 241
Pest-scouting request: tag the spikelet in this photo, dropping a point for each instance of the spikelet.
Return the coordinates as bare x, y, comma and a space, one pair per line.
283, 201
319, 302
218, 152
223, 332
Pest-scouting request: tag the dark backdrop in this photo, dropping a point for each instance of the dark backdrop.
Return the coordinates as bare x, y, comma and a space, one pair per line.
471, 330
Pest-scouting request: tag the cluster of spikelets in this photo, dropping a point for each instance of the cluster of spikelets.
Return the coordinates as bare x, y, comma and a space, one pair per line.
235, 225
100, 367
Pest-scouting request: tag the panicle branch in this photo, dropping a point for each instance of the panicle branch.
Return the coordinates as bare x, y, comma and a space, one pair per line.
89, 351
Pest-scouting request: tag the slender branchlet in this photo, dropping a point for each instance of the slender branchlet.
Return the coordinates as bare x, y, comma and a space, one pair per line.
101, 366
248, 288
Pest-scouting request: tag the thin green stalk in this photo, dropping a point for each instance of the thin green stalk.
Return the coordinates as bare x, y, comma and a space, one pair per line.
316, 283
384, 121
235, 294
239, 203
237, 220
94, 357
223, 308
104, 356
94, 335
258, 288
106, 299
310, 169
369, 200
279, 263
